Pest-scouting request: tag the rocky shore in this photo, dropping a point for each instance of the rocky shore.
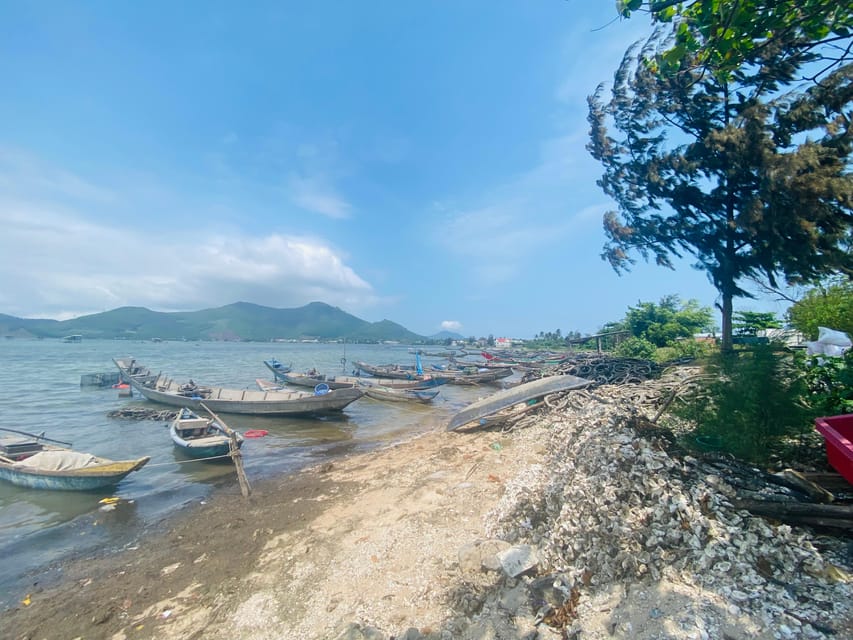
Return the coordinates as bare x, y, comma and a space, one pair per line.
583, 523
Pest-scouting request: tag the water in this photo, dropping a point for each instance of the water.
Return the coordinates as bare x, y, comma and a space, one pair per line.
40, 392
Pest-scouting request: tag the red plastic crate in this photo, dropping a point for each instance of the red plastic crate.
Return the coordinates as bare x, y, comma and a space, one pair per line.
837, 432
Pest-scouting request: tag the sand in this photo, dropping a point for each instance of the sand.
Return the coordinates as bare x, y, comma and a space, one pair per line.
391, 543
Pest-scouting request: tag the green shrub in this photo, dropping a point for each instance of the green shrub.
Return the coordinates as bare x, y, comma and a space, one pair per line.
830, 384
666, 354
751, 403
636, 348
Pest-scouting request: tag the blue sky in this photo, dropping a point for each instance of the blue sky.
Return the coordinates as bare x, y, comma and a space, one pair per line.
421, 162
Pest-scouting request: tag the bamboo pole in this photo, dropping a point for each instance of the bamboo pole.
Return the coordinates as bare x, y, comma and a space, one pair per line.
37, 436
234, 452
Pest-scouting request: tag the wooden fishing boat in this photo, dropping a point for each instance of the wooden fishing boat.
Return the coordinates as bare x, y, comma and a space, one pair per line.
400, 395
396, 371
480, 410
200, 437
167, 391
130, 368
474, 376
428, 382
30, 461
312, 379
277, 367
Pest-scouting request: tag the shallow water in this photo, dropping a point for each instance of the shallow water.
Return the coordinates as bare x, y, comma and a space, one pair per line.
40, 392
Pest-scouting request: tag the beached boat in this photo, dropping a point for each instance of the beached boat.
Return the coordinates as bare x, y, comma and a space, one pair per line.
428, 382
474, 376
167, 391
277, 368
312, 379
200, 437
400, 395
477, 413
31, 461
396, 371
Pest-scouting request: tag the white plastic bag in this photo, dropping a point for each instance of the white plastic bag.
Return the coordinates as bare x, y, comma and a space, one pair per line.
814, 348
833, 337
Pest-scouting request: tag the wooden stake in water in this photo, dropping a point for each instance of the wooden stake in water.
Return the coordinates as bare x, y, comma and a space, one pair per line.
234, 452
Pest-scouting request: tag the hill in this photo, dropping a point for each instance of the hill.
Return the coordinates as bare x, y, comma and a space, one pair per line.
238, 321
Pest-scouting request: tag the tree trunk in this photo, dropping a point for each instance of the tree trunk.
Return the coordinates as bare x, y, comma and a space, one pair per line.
727, 309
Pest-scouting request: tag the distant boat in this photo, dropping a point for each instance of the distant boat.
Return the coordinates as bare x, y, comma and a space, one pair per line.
73, 338
200, 437
26, 460
164, 390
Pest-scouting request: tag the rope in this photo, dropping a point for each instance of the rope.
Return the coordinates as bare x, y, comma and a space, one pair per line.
160, 464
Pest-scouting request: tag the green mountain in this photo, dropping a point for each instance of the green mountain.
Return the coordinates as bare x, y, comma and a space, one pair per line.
238, 321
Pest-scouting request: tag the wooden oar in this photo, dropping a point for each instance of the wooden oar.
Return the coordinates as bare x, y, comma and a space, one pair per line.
37, 437
233, 451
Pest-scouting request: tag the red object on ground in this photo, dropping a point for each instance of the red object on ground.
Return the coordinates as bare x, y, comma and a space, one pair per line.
255, 433
837, 431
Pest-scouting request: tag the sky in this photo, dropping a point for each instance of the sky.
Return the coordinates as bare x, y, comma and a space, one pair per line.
422, 162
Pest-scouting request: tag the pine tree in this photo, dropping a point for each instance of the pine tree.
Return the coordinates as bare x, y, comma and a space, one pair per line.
724, 167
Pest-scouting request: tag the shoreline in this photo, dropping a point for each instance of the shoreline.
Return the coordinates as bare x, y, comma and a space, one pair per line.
140, 591
411, 540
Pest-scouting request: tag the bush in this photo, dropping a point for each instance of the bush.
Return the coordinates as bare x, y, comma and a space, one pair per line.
830, 384
636, 348
830, 306
753, 401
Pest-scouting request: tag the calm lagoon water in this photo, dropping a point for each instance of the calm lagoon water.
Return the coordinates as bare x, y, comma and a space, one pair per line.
40, 392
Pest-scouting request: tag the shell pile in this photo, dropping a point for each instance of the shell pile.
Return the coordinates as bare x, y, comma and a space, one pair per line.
612, 507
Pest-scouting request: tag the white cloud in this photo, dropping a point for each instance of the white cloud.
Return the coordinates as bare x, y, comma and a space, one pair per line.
451, 325
70, 247
314, 195
57, 264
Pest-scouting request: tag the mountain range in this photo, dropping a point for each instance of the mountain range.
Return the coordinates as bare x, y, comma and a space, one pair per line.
238, 321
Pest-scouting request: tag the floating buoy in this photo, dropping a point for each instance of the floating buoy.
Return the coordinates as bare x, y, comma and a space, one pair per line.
255, 433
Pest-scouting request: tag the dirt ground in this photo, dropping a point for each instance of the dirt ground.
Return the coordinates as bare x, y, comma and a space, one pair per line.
373, 538
391, 544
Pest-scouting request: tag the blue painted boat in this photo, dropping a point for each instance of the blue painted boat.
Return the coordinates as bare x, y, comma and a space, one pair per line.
29, 462
200, 437
278, 368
